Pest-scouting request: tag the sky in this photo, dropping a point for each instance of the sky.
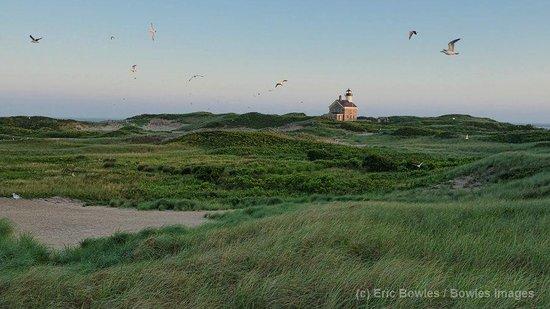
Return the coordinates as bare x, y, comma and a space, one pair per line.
245, 47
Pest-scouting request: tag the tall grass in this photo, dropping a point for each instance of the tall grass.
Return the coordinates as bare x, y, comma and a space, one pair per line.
316, 256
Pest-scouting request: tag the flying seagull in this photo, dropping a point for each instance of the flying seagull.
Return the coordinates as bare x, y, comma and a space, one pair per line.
112, 37
195, 76
411, 33
33, 40
450, 51
281, 83
15, 196
152, 31
418, 165
134, 70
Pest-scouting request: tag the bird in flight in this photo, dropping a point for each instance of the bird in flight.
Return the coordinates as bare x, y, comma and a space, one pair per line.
418, 165
281, 83
152, 31
134, 70
33, 40
195, 76
411, 33
112, 37
450, 51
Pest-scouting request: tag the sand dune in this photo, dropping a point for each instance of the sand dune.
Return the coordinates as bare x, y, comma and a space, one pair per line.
59, 222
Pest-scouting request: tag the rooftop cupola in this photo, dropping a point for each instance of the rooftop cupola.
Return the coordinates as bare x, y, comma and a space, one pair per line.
349, 95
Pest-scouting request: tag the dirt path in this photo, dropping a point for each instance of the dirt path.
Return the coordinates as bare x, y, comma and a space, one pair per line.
61, 222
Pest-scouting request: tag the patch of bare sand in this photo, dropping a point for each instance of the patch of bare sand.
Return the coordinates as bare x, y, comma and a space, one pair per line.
290, 128
105, 126
59, 222
465, 182
159, 124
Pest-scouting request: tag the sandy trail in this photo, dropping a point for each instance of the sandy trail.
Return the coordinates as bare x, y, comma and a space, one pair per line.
61, 222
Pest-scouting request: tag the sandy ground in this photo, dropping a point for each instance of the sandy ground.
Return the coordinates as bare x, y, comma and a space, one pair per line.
61, 222
159, 124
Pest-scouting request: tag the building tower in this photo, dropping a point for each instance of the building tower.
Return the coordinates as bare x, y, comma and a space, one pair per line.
349, 96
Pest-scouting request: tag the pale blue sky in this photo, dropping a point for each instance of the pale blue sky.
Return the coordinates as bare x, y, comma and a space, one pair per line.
321, 47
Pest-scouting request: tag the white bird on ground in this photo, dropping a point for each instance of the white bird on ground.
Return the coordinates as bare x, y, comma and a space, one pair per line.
15, 196
152, 31
33, 40
281, 83
411, 33
196, 76
450, 51
467, 137
418, 165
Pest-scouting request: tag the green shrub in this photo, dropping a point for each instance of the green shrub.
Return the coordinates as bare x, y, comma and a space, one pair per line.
522, 137
352, 126
319, 154
208, 173
413, 131
109, 163
446, 134
378, 163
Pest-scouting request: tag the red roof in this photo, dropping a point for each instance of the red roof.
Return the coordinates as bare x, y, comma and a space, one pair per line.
346, 103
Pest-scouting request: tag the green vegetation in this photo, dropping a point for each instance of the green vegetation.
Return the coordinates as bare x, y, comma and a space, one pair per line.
322, 209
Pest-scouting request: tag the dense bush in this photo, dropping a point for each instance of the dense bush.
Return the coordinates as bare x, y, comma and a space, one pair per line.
378, 163
522, 137
207, 172
319, 154
446, 134
413, 131
109, 162
352, 126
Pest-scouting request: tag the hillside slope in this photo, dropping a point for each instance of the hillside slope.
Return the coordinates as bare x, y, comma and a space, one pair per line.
315, 256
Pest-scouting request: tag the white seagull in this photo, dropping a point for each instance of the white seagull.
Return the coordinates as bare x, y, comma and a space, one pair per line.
15, 196
450, 51
411, 33
281, 83
152, 31
418, 165
33, 40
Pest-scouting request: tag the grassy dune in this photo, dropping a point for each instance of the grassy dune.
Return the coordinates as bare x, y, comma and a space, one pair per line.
315, 255
323, 211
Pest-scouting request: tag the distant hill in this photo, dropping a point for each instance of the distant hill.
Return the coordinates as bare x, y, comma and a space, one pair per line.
209, 120
445, 126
